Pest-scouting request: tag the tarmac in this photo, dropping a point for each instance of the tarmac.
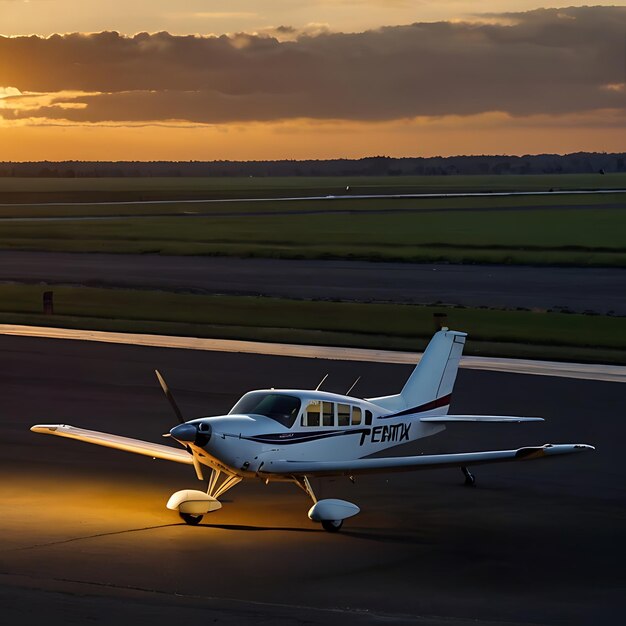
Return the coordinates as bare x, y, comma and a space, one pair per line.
601, 290
85, 536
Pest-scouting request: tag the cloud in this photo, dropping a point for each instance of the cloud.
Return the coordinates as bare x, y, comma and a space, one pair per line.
544, 62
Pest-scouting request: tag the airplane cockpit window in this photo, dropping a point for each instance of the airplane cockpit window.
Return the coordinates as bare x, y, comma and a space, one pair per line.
277, 406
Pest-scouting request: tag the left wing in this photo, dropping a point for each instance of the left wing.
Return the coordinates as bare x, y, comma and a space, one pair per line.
147, 448
427, 461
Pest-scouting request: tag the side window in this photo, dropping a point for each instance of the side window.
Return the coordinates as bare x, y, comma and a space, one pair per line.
311, 415
356, 415
328, 413
368, 418
343, 415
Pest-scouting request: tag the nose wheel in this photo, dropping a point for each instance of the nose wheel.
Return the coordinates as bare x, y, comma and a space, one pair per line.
192, 520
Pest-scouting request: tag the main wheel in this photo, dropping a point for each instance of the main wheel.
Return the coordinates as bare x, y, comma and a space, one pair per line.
332, 525
192, 520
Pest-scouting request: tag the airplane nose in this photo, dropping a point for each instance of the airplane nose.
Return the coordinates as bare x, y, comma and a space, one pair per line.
198, 434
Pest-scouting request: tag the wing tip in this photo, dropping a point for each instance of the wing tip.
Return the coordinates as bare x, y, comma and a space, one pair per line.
47, 428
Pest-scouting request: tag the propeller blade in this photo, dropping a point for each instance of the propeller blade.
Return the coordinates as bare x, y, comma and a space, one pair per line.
169, 396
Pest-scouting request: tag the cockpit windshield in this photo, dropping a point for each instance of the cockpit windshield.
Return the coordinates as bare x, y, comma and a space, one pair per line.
277, 406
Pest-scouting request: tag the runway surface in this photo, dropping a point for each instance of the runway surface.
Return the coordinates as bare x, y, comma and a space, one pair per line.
85, 536
389, 196
577, 289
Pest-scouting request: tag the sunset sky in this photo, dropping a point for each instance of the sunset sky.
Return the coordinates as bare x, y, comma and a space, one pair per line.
276, 79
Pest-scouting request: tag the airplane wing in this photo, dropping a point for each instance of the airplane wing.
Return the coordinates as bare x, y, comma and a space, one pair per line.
154, 450
503, 419
409, 463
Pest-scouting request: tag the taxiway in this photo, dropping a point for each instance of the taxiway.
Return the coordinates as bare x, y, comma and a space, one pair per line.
602, 290
85, 536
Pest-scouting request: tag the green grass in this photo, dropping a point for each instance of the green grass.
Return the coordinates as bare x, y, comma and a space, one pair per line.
581, 230
304, 206
551, 236
391, 326
75, 189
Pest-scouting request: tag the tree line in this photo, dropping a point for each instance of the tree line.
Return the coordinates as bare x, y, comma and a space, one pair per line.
576, 163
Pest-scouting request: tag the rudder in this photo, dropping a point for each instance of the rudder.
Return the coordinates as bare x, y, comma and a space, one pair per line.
434, 376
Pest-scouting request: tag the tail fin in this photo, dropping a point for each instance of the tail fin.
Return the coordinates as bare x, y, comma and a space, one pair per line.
433, 377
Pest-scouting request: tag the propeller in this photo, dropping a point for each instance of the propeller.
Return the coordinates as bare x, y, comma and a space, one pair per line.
184, 433
170, 397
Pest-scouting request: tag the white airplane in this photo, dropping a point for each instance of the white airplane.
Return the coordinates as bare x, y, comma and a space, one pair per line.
292, 435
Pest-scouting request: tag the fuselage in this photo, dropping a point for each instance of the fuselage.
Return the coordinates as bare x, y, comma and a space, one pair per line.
297, 425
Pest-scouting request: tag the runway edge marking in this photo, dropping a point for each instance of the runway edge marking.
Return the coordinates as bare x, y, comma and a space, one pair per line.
586, 371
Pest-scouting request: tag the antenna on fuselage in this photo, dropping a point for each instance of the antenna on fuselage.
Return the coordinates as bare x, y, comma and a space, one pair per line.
321, 383
353, 385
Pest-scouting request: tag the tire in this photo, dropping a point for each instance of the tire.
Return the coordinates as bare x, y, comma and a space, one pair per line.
192, 520
332, 525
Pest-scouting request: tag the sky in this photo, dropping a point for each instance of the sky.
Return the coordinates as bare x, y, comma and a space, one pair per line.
300, 79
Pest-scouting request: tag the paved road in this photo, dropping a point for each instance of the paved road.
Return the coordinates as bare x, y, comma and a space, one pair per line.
597, 289
85, 536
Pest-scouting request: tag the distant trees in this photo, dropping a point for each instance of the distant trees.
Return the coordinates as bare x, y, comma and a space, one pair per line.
577, 163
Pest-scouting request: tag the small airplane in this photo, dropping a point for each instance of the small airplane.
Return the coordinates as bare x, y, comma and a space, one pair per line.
294, 435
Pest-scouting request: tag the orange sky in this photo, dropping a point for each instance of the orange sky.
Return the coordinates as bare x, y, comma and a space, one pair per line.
304, 139
545, 81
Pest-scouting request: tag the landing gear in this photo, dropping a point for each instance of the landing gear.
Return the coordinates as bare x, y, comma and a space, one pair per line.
470, 479
218, 485
192, 520
192, 505
332, 525
330, 513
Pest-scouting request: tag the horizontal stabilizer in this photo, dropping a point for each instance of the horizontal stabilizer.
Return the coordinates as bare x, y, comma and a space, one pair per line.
147, 448
426, 461
504, 419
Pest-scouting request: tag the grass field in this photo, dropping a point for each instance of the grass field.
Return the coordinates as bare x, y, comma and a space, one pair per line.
568, 236
94, 189
390, 326
334, 205
582, 230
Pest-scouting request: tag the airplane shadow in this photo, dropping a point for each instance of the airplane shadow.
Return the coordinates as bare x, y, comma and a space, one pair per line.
247, 527
366, 535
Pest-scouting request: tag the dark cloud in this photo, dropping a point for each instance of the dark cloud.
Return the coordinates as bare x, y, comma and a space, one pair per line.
548, 61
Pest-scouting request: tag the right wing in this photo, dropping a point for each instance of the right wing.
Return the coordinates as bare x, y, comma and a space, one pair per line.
409, 463
491, 419
154, 450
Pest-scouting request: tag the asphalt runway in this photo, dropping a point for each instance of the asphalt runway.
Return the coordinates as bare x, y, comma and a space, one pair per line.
85, 536
578, 289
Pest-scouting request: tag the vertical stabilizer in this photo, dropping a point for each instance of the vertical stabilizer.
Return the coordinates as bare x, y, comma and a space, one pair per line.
433, 377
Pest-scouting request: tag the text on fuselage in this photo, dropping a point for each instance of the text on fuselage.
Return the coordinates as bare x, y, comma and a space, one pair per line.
388, 432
